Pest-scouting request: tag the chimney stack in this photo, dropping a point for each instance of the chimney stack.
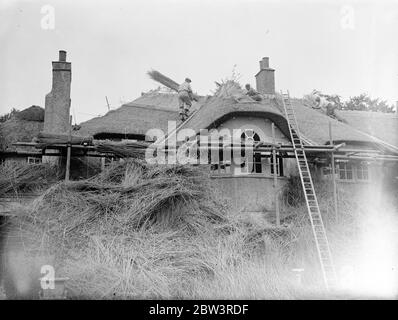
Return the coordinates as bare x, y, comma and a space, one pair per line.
62, 55
57, 102
265, 78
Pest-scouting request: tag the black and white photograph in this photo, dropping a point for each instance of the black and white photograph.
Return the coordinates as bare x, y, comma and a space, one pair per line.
218, 152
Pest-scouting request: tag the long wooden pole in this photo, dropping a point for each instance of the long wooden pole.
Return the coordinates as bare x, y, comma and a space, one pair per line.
333, 174
69, 149
278, 222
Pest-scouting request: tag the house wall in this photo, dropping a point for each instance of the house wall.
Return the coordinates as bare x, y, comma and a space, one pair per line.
261, 126
251, 193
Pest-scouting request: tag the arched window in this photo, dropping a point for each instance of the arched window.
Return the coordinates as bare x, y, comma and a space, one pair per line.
249, 135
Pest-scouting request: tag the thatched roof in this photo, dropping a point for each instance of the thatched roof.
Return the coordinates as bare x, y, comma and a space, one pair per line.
381, 125
155, 109
149, 111
16, 130
33, 113
314, 125
216, 110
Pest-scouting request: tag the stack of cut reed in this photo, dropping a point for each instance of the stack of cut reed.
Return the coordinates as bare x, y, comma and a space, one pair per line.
45, 138
22, 177
130, 149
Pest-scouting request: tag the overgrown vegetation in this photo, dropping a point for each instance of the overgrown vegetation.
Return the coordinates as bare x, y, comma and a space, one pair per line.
142, 231
9, 115
20, 177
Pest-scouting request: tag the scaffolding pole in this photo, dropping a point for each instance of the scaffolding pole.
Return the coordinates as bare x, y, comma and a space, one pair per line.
333, 173
277, 213
69, 151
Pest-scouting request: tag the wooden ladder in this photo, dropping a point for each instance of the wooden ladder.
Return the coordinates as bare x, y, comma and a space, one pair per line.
322, 244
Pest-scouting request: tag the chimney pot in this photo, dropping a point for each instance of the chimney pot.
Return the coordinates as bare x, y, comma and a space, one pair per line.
62, 55
264, 63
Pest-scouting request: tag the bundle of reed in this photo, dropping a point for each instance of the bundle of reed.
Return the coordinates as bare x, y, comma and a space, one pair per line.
130, 149
142, 196
16, 177
45, 138
161, 78
166, 81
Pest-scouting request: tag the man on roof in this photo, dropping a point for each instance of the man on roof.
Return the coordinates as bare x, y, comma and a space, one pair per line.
252, 93
325, 105
185, 98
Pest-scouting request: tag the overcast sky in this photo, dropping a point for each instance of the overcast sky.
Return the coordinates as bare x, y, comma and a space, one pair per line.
342, 47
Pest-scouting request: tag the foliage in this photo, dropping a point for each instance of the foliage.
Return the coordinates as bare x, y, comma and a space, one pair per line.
362, 102
365, 103
9, 115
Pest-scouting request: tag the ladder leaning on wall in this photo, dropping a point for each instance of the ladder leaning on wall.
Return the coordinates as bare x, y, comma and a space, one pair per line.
322, 244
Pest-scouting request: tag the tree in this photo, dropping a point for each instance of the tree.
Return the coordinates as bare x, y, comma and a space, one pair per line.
9, 115
365, 103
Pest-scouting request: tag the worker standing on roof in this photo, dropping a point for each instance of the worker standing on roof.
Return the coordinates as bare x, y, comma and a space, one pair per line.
252, 93
325, 105
184, 98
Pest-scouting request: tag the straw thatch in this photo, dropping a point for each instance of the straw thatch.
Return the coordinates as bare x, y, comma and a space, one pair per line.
216, 110
154, 110
381, 125
129, 119
20, 177
16, 130
127, 196
169, 83
33, 113
45, 138
123, 149
149, 111
315, 126
161, 78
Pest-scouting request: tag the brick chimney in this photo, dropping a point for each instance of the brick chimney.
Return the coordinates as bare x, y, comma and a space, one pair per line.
57, 103
265, 78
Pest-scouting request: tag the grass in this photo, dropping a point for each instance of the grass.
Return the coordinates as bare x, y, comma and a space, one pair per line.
137, 231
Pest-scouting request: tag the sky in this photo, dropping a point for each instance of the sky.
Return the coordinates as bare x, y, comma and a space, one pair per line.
337, 47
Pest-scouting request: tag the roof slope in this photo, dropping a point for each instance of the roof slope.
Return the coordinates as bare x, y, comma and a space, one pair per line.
129, 119
150, 111
154, 110
314, 125
216, 110
16, 130
381, 125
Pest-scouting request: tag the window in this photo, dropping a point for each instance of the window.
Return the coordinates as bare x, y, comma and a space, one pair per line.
327, 171
34, 160
279, 165
363, 171
249, 135
345, 171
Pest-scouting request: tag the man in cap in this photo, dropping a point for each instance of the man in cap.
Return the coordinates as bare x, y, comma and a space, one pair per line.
184, 98
252, 93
